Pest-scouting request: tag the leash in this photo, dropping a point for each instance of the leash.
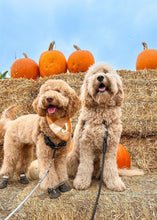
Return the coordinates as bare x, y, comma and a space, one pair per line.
102, 170
53, 146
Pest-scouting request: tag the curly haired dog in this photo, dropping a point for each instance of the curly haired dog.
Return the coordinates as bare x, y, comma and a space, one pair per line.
56, 101
102, 96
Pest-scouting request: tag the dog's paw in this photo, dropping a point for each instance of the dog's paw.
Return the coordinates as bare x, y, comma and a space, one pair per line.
81, 183
116, 185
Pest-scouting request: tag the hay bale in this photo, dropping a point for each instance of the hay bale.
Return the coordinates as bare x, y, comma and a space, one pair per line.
138, 110
139, 137
143, 151
79, 204
139, 106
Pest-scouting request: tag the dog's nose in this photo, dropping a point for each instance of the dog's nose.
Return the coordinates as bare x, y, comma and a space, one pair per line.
100, 78
49, 99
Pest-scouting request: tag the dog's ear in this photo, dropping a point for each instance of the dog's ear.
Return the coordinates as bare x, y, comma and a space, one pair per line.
74, 103
86, 99
36, 107
35, 103
120, 94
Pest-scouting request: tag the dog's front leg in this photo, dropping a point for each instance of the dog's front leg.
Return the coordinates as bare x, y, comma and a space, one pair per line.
85, 169
72, 159
51, 180
60, 165
61, 169
44, 156
110, 175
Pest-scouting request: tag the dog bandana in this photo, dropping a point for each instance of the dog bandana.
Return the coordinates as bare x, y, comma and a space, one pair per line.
61, 127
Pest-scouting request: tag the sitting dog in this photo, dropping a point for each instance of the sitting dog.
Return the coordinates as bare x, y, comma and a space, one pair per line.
55, 104
102, 96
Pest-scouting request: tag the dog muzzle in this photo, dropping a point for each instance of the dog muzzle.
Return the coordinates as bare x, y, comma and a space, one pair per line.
61, 127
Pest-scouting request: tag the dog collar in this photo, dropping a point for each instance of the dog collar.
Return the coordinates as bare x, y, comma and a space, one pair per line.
61, 127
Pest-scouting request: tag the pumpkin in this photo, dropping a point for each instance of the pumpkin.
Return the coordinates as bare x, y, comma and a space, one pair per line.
123, 157
24, 68
52, 62
147, 59
80, 60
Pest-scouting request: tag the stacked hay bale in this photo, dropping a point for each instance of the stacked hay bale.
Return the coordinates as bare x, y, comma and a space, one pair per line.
138, 111
139, 116
139, 137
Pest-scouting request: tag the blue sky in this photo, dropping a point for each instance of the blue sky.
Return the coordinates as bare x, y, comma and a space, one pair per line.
111, 29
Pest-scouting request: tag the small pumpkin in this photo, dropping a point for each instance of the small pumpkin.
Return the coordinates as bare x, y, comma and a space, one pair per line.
123, 157
80, 60
147, 59
52, 62
24, 68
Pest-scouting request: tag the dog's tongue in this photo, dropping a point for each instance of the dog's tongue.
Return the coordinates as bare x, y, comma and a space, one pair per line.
102, 89
52, 110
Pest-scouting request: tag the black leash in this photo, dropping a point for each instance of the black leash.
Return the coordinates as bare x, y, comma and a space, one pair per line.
102, 170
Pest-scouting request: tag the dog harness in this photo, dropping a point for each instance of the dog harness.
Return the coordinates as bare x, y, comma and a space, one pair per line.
61, 128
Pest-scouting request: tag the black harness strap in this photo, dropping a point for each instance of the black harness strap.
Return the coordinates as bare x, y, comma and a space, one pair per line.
102, 169
51, 144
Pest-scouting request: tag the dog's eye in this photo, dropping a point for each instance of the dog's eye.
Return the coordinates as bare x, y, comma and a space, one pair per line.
105, 71
57, 90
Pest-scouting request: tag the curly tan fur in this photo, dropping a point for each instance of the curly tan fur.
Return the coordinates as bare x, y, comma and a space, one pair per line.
102, 96
23, 134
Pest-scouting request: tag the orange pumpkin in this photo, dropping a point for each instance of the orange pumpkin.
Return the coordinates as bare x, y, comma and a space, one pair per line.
24, 68
147, 59
52, 62
123, 157
80, 60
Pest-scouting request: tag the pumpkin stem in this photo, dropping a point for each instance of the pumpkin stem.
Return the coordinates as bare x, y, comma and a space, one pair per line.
76, 47
51, 45
25, 55
145, 46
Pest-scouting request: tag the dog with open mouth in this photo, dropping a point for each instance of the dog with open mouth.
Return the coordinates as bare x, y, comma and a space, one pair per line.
55, 104
101, 96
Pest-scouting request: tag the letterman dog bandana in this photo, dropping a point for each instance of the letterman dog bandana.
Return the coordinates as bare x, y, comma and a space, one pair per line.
61, 127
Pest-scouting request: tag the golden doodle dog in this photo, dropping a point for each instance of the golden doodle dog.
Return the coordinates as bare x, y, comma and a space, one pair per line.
55, 104
101, 96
